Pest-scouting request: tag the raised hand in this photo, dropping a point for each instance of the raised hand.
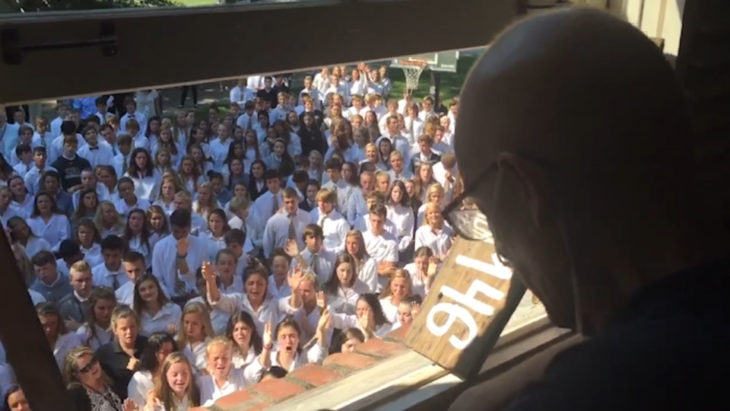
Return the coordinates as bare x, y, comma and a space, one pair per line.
291, 248
171, 328
132, 363
297, 272
129, 405
268, 337
432, 268
208, 271
365, 322
325, 321
321, 300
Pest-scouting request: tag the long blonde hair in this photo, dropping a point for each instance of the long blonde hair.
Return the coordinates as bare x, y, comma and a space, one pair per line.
162, 389
195, 308
398, 273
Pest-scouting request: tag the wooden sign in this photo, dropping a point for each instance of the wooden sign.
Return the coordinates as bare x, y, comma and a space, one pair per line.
470, 302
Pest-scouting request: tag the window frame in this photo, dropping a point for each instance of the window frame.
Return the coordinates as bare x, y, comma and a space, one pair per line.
137, 40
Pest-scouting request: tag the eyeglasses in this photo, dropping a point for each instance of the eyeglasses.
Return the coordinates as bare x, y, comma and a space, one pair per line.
464, 216
86, 368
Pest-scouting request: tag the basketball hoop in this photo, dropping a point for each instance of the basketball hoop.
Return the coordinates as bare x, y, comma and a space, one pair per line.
412, 70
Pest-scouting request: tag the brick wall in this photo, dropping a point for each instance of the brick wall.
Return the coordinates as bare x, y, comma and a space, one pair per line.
311, 376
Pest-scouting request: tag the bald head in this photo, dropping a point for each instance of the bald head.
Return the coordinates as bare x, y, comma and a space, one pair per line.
585, 159
578, 88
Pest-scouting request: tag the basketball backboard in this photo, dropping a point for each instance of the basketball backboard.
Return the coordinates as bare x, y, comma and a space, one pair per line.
443, 61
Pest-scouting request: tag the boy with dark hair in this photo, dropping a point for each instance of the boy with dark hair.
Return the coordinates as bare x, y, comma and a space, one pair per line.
110, 273
52, 285
69, 165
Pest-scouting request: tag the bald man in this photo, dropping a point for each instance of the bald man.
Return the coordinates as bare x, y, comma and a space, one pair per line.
585, 171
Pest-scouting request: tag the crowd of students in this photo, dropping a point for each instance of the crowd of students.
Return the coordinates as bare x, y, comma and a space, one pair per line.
172, 261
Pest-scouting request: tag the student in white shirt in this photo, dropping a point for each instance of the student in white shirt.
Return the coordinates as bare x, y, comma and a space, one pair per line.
222, 378
89, 181
446, 173
434, 194
58, 337
110, 273
369, 318
381, 245
97, 331
334, 225
401, 214
94, 151
128, 200
344, 287
240, 93
287, 224
33, 175
217, 229
399, 288
142, 171
365, 267
435, 234
256, 300
176, 389
137, 234
314, 256
194, 332
183, 201
108, 221
158, 347
156, 313
423, 271
24, 155
132, 114
135, 268
362, 222
278, 285
89, 241
176, 257
241, 330
47, 222
333, 167
413, 125
7, 209
398, 170
289, 353
22, 234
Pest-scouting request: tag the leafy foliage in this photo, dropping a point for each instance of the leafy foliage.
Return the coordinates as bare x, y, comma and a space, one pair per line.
60, 5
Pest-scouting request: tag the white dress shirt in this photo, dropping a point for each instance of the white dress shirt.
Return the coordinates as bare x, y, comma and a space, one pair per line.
362, 224
140, 384
57, 228
262, 208
35, 245
241, 95
123, 208
102, 336
389, 309
267, 312
215, 244
343, 190
276, 232
170, 313
92, 255
403, 218
104, 277
367, 272
218, 318
210, 391
439, 242
325, 263
64, 344
382, 248
146, 187
334, 227
33, 178
219, 151
125, 293
102, 154
195, 353
164, 262
345, 299
138, 115
278, 292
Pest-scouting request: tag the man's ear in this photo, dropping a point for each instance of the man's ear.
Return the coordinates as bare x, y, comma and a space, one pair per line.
533, 183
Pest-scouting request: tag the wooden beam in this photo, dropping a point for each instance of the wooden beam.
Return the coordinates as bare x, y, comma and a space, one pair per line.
164, 47
27, 350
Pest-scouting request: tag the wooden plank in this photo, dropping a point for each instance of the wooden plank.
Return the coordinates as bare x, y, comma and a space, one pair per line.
466, 310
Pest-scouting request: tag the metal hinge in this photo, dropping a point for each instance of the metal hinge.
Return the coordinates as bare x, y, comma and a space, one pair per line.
13, 47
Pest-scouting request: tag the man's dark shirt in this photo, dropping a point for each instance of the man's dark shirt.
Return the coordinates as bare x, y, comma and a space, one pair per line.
114, 362
668, 349
70, 170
